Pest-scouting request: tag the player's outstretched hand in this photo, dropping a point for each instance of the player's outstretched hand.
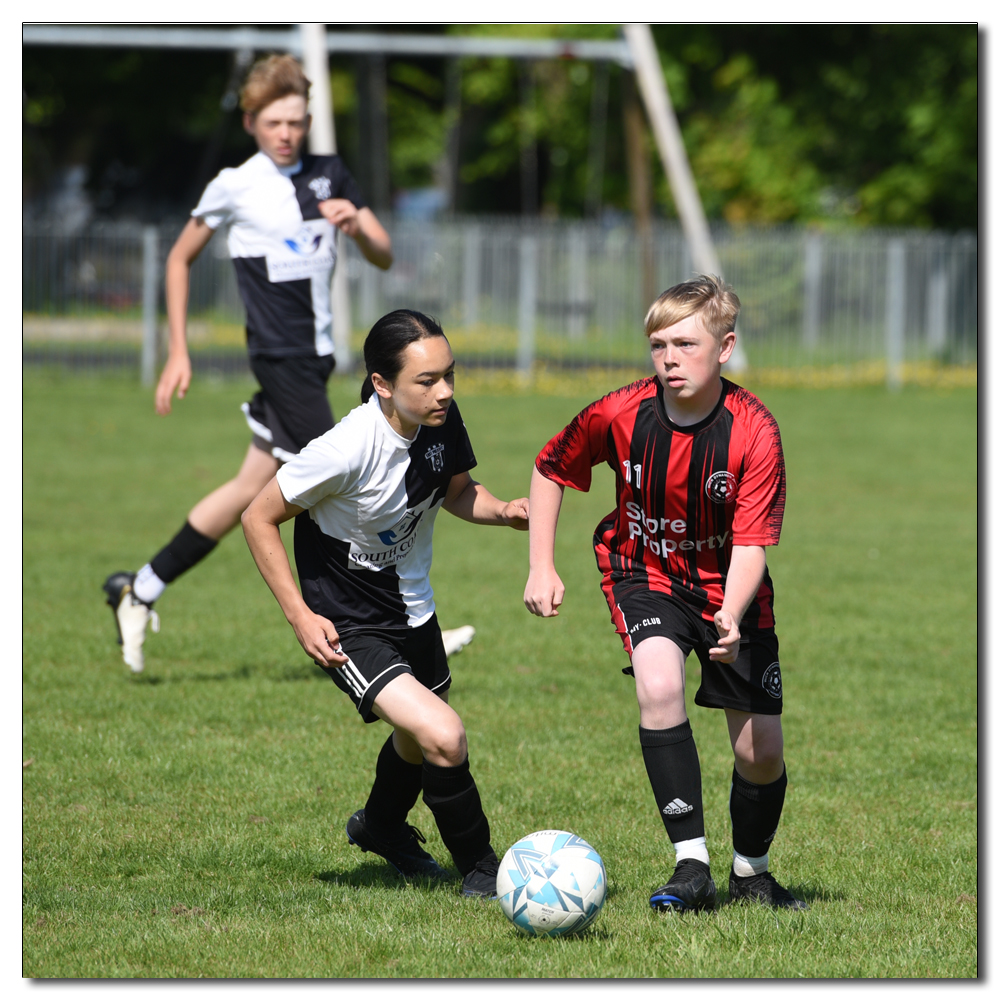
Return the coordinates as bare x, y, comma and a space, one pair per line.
729, 638
176, 377
543, 593
341, 213
319, 639
515, 514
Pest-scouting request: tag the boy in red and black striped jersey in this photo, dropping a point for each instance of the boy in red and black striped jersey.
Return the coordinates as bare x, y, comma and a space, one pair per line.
700, 485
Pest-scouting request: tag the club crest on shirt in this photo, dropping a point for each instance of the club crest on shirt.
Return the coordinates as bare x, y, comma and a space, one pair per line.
305, 242
435, 455
720, 487
320, 186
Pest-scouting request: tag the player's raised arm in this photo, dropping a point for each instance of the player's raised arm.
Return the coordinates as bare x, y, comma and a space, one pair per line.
363, 227
176, 375
316, 634
544, 591
473, 502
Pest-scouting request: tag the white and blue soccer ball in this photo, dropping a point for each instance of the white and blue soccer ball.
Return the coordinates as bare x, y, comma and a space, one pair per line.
551, 882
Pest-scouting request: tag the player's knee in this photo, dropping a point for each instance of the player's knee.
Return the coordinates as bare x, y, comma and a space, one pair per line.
446, 744
764, 754
660, 692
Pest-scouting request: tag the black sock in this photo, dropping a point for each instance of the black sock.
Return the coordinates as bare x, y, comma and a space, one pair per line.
452, 796
755, 811
186, 549
671, 760
395, 790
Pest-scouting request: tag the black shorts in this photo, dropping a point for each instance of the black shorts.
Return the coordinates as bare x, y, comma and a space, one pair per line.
292, 406
751, 684
377, 656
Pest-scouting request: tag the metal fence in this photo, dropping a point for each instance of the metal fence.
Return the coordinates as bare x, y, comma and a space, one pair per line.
510, 293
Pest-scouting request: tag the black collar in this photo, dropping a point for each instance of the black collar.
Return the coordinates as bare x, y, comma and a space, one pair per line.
661, 411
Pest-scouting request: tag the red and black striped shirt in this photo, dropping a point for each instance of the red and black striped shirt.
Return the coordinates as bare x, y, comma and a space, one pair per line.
685, 495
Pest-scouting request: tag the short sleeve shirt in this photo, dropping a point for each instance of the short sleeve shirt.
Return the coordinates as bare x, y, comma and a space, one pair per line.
363, 542
283, 249
685, 495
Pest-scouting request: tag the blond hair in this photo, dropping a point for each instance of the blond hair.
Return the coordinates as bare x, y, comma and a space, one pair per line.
707, 295
271, 79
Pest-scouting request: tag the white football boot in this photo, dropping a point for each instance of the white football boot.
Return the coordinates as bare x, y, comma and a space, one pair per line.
131, 618
457, 638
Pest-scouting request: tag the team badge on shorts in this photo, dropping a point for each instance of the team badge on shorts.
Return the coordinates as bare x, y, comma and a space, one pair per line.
720, 487
435, 455
771, 681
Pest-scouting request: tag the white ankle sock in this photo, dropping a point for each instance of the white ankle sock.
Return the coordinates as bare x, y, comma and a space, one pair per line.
696, 848
148, 586
745, 867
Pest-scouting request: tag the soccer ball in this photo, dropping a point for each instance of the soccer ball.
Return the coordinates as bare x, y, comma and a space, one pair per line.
551, 883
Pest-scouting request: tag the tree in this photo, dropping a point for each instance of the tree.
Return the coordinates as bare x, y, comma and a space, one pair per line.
827, 124
875, 124
140, 121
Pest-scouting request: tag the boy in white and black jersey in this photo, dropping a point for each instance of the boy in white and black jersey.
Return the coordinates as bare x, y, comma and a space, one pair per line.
282, 245
281, 210
364, 497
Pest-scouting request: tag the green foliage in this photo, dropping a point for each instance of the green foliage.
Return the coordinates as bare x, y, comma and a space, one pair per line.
418, 128
858, 124
863, 124
939, 136
189, 822
556, 117
751, 157
870, 124
140, 122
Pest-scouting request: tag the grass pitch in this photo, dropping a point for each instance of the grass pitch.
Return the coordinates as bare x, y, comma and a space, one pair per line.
189, 822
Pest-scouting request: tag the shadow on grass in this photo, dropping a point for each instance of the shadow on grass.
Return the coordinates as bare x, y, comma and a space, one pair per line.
806, 894
371, 875
247, 671
378, 875
595, 932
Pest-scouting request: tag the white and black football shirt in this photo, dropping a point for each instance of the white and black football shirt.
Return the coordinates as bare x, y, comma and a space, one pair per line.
363, 542
282, 247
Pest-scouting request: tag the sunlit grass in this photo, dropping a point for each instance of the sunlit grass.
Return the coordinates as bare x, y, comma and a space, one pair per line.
190, 822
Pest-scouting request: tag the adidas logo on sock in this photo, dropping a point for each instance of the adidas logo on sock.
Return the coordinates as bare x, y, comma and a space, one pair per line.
677, 808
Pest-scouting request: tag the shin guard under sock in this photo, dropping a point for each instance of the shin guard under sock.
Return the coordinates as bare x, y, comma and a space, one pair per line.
671, 760
755, 811
186, 549
451, 795
395, 790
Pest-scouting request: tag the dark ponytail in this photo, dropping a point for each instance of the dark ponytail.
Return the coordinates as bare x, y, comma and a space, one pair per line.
387, 342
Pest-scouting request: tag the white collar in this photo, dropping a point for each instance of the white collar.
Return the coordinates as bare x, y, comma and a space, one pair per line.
266, 161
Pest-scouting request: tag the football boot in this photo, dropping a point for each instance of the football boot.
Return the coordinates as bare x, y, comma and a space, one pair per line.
402, 850
131, 618
690, 888
763, 888
482, 880
456, 639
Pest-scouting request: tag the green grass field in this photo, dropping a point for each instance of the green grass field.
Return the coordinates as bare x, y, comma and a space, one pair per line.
189, 822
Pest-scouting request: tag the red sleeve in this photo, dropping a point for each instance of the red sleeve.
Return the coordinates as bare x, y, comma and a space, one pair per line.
760, 502
568, 458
